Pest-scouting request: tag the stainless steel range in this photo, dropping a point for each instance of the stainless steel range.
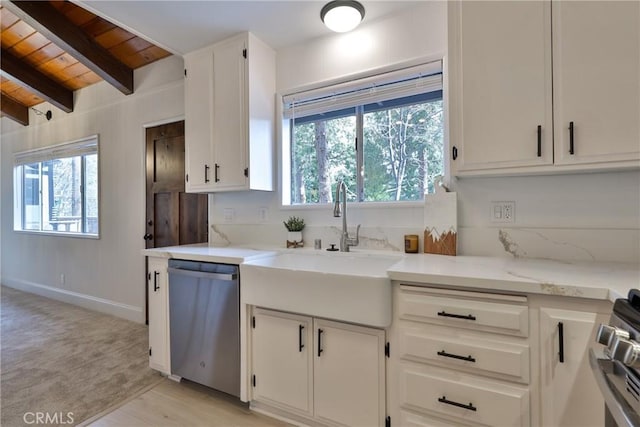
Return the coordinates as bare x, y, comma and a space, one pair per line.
616, 366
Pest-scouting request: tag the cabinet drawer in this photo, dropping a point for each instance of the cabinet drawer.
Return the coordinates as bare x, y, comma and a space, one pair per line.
467, 397
468, 350
411, 419
452, 309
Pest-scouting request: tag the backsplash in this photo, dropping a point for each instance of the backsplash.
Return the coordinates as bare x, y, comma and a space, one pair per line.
578, 217
603, 245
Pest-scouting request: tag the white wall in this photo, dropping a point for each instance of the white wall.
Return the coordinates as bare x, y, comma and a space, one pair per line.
106, 274
569, 217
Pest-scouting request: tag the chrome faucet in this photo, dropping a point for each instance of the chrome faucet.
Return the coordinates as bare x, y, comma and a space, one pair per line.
345, 241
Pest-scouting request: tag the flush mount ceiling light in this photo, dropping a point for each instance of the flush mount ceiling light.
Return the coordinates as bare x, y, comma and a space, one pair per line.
342, 15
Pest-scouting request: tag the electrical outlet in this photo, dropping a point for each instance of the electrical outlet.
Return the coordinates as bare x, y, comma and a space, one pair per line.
263, 214
503, 212
229, 215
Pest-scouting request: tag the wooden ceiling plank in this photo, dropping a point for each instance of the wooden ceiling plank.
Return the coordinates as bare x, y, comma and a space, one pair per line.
16, 70
25, 97
7, 19
29, 45
78, 15
16, 33
97, 26
44, 54
113, 37
14, 110
49, 21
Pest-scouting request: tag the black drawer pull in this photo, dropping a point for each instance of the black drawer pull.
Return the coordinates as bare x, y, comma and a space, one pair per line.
300, 341
455, 356
320, 350
155, 281
560, 342
206, 173
539, 141
469, 407
571, 150
457, 316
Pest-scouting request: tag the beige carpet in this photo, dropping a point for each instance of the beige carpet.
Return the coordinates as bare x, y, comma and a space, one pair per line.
57, 358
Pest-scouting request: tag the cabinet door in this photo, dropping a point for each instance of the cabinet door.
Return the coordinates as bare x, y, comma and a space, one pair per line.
500, 85
158, 315
570, 395
596, 80
230, 124
198, 117
281, 346
349, 379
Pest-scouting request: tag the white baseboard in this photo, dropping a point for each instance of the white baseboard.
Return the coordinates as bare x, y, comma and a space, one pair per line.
125, 311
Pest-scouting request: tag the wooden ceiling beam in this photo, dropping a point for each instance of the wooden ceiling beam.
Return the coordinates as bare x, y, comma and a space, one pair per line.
56, 27
23, 74
14, 110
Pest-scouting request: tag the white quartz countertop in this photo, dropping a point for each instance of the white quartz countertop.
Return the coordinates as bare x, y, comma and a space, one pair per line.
604, 281
576, 279
205, 253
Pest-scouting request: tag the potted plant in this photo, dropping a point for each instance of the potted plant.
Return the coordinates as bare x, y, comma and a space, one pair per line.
294, 226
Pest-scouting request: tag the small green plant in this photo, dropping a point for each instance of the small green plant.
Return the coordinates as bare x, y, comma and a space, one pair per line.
294, 223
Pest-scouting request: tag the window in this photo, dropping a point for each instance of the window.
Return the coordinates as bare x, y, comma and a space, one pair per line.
56, 189
382, 135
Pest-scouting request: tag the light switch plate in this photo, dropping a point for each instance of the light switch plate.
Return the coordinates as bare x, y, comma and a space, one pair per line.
229, 215
503, 212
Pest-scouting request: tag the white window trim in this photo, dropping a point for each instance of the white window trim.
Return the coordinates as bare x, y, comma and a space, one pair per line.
283, 127
87, 145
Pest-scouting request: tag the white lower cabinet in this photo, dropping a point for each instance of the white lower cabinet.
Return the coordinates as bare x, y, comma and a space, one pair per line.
569, 392
348, 370
317, 371
157, 284
282, 360
467, 397
459, 358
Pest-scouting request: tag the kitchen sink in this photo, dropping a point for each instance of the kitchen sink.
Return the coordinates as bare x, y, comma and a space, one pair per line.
352, 287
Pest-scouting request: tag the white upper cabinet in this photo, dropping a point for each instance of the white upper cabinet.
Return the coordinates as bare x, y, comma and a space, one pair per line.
500, 84
506, 61
596, 80
230, 116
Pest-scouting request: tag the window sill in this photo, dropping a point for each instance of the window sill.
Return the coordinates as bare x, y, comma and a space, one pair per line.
59, 234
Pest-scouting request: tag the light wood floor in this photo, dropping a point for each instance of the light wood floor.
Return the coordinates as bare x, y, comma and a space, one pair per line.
183, 404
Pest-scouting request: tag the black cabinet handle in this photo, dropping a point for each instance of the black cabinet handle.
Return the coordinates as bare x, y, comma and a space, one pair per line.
455, 356
148, 236
561, 342
320, 331
215, 173
206, 173
539, 141
300, 342
457, 316
454, 152
571, 151
155, 281
469, 407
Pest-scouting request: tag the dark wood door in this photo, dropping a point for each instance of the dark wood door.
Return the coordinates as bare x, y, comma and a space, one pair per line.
174, 217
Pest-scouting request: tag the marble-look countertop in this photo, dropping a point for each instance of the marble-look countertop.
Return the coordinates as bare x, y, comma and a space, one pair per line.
603, 281
205, 253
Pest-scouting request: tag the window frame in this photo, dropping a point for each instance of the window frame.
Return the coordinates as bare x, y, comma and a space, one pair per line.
286, 128
78, 148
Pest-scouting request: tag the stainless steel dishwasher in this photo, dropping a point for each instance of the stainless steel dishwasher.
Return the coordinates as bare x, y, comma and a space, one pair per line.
204, 322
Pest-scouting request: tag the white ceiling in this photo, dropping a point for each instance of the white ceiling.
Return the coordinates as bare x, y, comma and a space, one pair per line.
184, 26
